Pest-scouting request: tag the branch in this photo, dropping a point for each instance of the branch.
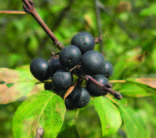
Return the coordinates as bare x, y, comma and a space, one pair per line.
29, 8
98, 39
98, 20
39, 133
58, 21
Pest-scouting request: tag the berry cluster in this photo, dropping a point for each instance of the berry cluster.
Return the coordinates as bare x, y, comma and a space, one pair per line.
79, 59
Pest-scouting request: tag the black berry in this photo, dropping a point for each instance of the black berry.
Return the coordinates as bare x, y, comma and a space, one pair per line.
95, 90
84, 41
93, 62
54, 65
38, 68
108, 70
62, 79
78, 98
70, 56
48, 86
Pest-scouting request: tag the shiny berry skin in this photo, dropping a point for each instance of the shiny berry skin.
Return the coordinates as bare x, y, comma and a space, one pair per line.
38, 68
70, 56
78, 98
69, 104
108, 70
95, 90
93, 62
62, 79
84, 41
54, 65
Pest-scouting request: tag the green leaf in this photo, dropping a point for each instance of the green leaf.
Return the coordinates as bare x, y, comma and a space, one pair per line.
149, 11
109, 115
123, 67
134, 90
17, 85
44, 110
133, 126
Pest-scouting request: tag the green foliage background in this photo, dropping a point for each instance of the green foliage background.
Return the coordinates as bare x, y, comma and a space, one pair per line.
128, 35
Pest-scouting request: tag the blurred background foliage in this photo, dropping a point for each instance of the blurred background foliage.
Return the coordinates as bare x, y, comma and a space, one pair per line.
129, 34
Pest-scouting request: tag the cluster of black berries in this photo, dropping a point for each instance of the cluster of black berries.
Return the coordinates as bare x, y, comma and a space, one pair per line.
79, 59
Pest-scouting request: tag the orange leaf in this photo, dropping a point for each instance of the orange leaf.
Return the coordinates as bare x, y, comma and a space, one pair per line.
147, 81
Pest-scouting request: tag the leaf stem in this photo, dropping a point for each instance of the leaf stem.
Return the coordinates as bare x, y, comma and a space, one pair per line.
117, 81
13, 12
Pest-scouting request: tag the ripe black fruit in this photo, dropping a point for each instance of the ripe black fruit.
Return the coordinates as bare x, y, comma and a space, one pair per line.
54, 65
108, 70
84, 41
78, 98
62, 79
70, 56
95, 90
38, 68
93, 62
68, 103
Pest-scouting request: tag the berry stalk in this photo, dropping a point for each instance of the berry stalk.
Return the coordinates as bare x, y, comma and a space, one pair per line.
104, 88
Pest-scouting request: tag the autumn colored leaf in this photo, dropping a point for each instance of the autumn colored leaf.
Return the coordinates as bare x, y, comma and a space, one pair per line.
17, 85
151, 82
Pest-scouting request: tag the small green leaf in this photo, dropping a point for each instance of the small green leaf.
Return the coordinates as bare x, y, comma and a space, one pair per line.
134, 90
109, 115
45, 110
17, 84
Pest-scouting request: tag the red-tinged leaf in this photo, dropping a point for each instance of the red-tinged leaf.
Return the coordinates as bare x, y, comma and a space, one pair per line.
147, 81
17, 85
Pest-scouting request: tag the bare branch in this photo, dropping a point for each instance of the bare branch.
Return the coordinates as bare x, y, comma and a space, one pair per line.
29, 7
98, 20
39, 133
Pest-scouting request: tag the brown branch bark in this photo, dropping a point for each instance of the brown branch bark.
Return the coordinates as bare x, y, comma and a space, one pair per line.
29, 8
